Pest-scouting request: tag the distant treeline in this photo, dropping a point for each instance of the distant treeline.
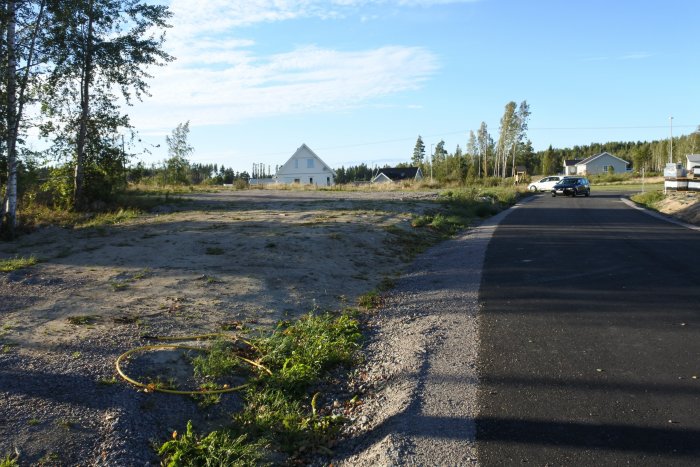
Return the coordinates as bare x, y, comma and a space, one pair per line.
462, 167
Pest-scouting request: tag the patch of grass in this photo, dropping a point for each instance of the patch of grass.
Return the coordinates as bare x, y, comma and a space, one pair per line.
649, 199
278, 414
214, 251
110, 218
220, 360
210, 279
387, 283
33, 422
108, 381
82, 320
217, 448
142, 274
63, 423
370, 300
10, 460
13, 264
119, 286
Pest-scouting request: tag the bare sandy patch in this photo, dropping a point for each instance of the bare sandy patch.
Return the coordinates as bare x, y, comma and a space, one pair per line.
684, 205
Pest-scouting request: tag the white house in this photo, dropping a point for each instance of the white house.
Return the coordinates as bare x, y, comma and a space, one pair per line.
398, 174
306, 168
601, 164
693, 163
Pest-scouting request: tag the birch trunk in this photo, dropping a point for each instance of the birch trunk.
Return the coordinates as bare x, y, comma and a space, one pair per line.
79, 201
9, 211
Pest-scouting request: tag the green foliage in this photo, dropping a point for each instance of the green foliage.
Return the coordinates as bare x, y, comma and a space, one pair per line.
649, 199
299, 353
370, 300
277, 413
219, 361
218, 448
13, 264
10, 461
176, 169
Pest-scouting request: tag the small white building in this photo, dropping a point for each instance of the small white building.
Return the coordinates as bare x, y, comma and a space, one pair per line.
601, 164
692, 163
306, 168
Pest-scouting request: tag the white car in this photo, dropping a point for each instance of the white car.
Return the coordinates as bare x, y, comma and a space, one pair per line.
544, 184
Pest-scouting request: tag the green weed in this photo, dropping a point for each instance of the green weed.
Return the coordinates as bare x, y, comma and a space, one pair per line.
217, 448
277, 414
370, 300
10, 460
82, 320
13, 264
648, 199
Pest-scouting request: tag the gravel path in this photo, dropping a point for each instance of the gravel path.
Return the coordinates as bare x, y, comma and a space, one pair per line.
420, 379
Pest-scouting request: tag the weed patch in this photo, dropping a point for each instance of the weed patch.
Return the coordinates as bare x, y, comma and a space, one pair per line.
13, 264
649, 199
279, 413
82, 320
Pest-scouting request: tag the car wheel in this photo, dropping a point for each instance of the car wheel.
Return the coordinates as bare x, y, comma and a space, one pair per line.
588, 193
554, 195
533, 189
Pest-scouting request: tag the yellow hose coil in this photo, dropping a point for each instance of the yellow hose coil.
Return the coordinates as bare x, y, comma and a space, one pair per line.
152, 387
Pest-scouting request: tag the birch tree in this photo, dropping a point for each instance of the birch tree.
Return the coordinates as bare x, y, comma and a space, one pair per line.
101, 49
19, 58
484, 145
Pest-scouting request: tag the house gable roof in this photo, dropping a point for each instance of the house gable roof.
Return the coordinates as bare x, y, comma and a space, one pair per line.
399, 173
303, 152
590, 159
571, 162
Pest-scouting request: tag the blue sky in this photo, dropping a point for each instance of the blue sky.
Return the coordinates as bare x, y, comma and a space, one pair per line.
359, 80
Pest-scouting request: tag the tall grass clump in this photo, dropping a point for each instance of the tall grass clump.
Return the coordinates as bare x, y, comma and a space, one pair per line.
649, 199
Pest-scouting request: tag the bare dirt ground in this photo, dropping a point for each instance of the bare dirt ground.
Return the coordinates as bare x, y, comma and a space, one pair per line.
219, 259
684, 205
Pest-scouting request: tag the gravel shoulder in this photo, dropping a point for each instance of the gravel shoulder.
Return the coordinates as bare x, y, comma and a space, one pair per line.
420, 378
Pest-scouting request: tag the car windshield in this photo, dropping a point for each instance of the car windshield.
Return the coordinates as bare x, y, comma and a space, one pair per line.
568, 181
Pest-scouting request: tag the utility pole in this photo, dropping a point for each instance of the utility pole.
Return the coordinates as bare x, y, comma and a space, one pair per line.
670, 151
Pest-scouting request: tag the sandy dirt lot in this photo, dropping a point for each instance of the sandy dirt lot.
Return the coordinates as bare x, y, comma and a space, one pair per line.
219, 259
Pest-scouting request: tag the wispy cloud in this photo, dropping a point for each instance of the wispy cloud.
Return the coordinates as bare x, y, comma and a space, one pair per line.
219, 78
636, 56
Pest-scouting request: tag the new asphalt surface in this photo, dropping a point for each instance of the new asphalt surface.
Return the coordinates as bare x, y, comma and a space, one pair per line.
589, 337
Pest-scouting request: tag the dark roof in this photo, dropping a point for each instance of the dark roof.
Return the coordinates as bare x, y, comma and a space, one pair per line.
572, 162
399, 173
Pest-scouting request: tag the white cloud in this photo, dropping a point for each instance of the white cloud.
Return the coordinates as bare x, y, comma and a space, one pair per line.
220, 79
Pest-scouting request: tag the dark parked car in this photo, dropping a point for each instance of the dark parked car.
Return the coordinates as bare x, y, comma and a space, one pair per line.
572, 186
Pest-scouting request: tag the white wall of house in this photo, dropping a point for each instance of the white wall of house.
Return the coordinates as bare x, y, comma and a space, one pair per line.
305, 168
600, 164
692, 162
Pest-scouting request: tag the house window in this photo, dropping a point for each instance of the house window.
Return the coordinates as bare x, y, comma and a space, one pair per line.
296, 163
309, 163
328, 181
297, 180
311, 180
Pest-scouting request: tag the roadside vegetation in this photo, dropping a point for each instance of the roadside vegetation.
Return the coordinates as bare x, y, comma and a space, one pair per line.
649, 199
281, 420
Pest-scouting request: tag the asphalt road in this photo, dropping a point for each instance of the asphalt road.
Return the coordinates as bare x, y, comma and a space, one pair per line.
589, 337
